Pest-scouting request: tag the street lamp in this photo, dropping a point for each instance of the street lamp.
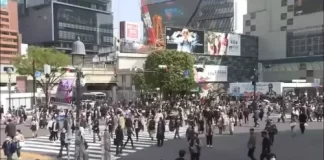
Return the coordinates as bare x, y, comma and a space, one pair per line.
254, 82
166, 69
9, 71
78, 53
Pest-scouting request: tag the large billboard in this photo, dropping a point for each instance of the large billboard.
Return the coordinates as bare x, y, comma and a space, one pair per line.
130, 31
222, 44
175, 13
185, 40
92, 27
308, 6
211, 73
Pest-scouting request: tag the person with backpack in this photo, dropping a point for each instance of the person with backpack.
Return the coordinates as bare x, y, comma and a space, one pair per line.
138, 126
272, 130
9, 147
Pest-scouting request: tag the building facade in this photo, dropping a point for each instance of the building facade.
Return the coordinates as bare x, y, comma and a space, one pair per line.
9, 35
291, 34
58, 22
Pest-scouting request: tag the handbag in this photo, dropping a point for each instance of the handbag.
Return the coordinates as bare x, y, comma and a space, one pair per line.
86, 146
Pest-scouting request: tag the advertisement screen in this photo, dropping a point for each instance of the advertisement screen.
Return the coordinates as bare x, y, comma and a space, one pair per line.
247, 89
222, 44
308, 6
211, 73
174, 13
185, 40
92, 27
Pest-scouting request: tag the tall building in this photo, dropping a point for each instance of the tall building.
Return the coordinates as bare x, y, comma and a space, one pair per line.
291, 38
58, 22
9, 35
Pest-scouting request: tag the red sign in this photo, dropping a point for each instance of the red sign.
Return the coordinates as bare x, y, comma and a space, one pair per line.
132, 31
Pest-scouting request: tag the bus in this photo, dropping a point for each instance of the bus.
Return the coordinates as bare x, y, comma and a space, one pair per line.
94, 96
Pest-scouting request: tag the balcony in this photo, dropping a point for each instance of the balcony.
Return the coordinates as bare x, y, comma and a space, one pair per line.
8, 43
8, 36
7, 55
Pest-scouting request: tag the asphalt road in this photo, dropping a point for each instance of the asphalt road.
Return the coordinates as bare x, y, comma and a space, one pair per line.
233, 147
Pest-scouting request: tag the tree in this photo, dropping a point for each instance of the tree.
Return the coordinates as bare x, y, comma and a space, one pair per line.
36, 59
172, 79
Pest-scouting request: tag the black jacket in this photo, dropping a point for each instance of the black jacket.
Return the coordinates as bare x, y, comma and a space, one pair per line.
119, 136
266, 145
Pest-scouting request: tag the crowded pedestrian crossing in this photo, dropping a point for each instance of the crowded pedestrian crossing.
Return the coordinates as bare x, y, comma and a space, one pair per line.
43, 145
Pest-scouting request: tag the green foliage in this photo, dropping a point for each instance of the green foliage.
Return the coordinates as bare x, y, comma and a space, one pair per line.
172, 79
38, 57
139, 81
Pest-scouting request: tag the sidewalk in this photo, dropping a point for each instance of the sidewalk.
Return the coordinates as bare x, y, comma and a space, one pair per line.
28, 156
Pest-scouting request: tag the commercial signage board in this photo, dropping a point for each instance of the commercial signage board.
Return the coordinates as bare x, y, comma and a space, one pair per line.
185, 40
130, 31
211, 73
173, 13
222, 44
64, 92
247, 89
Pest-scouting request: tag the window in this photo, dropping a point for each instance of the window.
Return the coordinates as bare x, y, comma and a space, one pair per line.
290, 8
248, 33
4, 19
4, 13
253, 28
283, 16
310, 73
302, 66
290, 21
247, 23
284, 3
283, 28
253, 15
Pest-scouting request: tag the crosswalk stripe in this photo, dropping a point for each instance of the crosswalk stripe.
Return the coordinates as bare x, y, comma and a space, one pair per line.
42, 144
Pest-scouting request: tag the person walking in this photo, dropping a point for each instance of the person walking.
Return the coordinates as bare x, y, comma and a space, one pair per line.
160, 132
266, 143
182, 154
20, 139
96, 130
118, 141
80, 152
151, 128
302, 122
177, 125
138, 126
209, 134
105, 145
33, 127
129, 137
272, 130
10, 129
195, 147
9, 147
55, 128
251, 144
65, 142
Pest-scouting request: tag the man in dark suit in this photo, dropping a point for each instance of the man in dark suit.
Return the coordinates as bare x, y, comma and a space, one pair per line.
160, 132
10, 129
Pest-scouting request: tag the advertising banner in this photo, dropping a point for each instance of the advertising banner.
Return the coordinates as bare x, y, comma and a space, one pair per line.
222, 44
185, 40
130, 31
308, 6
211, 73
174, 13
64, 92
246, 89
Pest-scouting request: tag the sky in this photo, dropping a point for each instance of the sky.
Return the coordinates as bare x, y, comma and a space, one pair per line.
125, 10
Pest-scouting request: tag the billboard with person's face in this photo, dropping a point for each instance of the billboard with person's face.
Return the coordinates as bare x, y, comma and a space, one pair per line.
308, 6
185, 40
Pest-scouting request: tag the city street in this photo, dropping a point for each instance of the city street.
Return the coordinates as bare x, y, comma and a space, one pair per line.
233, 147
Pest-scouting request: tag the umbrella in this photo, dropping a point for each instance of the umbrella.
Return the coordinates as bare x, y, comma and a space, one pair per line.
265, 100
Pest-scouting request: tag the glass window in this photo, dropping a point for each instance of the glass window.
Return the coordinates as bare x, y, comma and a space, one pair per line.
253, 28
290, 8
283, 28
310, 73
247, 23
283, 3
290, 21
253, 15
283, 16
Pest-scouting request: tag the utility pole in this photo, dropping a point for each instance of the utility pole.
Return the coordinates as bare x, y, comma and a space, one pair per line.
254, 83
34, 84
